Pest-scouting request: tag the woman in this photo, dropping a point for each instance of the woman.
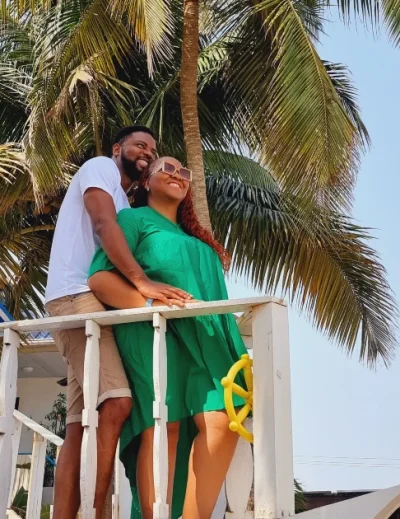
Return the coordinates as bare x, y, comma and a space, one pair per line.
166, 239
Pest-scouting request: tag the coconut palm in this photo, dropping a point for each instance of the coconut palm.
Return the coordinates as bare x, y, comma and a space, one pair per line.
67, 86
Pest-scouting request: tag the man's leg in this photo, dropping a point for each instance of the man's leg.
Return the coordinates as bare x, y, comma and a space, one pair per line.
114, 405
112, 415
66, 491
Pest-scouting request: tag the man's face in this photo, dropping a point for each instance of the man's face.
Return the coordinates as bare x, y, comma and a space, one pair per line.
136, 153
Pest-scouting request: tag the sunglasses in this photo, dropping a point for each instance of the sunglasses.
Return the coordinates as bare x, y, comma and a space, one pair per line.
170, 169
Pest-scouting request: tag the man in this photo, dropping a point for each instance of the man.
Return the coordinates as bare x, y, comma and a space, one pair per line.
87, 218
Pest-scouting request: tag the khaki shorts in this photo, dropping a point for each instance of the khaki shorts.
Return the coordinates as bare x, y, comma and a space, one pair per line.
72, 344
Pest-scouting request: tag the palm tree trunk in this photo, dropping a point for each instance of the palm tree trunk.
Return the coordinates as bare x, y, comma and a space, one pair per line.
190, 116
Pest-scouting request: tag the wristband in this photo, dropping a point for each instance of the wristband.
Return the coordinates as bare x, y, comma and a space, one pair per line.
149, 301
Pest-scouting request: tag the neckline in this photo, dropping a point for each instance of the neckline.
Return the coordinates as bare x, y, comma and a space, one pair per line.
164, 217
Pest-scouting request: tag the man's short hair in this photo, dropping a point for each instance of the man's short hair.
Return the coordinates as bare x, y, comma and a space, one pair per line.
124, 133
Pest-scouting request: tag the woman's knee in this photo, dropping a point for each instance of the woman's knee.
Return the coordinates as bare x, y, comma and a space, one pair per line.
216, 421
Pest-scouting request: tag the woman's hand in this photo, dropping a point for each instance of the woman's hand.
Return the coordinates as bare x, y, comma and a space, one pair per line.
175, 302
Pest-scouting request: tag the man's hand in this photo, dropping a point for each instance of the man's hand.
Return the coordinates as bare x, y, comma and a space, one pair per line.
167, 294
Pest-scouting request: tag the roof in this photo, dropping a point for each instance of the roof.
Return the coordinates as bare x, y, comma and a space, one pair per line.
6, 317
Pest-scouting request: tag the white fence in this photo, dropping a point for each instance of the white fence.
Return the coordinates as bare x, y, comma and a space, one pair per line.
265, 325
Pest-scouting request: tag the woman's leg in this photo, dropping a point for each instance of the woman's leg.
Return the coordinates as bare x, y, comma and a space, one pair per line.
212, 453
145, 468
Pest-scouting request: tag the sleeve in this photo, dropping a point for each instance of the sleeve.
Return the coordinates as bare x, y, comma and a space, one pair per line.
99, 173
127, 220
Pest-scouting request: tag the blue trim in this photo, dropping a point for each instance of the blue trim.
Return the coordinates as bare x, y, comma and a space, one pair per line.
51, 461
5, 315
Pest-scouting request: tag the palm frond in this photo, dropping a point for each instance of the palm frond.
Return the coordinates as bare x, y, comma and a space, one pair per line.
339, 75
25, 242
368, 10
287, 108
14, 85
15, 81
151, 22
391, 14
22, 8
372, 12
75, 80
14, 177
323, 263
312, 14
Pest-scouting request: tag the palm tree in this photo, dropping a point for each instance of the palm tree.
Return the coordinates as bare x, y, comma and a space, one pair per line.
73, 75
284, 106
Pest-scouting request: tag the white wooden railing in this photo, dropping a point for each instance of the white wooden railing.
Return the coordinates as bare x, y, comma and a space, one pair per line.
38, 459
264, 327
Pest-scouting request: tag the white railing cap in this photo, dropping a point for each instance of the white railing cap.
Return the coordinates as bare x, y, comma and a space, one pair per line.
34, 426
138, 314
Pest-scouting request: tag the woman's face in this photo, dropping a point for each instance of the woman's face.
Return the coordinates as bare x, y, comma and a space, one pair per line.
165, 186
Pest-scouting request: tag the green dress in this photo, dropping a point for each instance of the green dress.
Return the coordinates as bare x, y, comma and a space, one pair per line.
200, 350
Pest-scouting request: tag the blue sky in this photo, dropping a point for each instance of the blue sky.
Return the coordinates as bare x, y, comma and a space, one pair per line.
344, 413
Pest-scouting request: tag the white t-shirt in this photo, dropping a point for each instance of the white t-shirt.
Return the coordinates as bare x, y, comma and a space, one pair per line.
75, 241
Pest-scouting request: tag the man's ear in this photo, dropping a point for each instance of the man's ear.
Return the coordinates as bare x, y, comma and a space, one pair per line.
116, 150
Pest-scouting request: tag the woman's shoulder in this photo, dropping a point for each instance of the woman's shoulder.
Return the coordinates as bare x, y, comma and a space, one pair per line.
135, 218
133, 213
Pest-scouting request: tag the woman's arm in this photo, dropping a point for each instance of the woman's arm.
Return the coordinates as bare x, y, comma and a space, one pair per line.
113, 290
100, 207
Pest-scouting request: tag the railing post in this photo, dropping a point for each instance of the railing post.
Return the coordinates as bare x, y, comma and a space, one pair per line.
8, 395
90, 420
16, 438
54, 479
239, 478
160, 414
272, 422
36, 477
117, 486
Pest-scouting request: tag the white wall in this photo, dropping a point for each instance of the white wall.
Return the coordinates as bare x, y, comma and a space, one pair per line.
36, 398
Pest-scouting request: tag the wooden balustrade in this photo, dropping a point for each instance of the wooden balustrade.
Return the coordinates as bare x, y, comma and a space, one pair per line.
8, 395
265, 328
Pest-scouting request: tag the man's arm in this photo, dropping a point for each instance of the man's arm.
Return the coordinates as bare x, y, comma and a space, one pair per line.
101, 209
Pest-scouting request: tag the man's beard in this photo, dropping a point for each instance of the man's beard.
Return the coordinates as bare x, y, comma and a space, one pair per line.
130, 168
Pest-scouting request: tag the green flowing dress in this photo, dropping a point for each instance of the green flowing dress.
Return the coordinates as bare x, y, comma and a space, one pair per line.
200, 350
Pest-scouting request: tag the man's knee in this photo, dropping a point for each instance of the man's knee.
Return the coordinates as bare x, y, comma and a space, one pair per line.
116, 410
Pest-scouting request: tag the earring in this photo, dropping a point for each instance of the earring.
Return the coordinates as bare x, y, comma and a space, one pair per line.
147, 188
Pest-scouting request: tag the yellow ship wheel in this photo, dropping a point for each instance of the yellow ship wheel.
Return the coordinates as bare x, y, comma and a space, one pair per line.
231, 388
